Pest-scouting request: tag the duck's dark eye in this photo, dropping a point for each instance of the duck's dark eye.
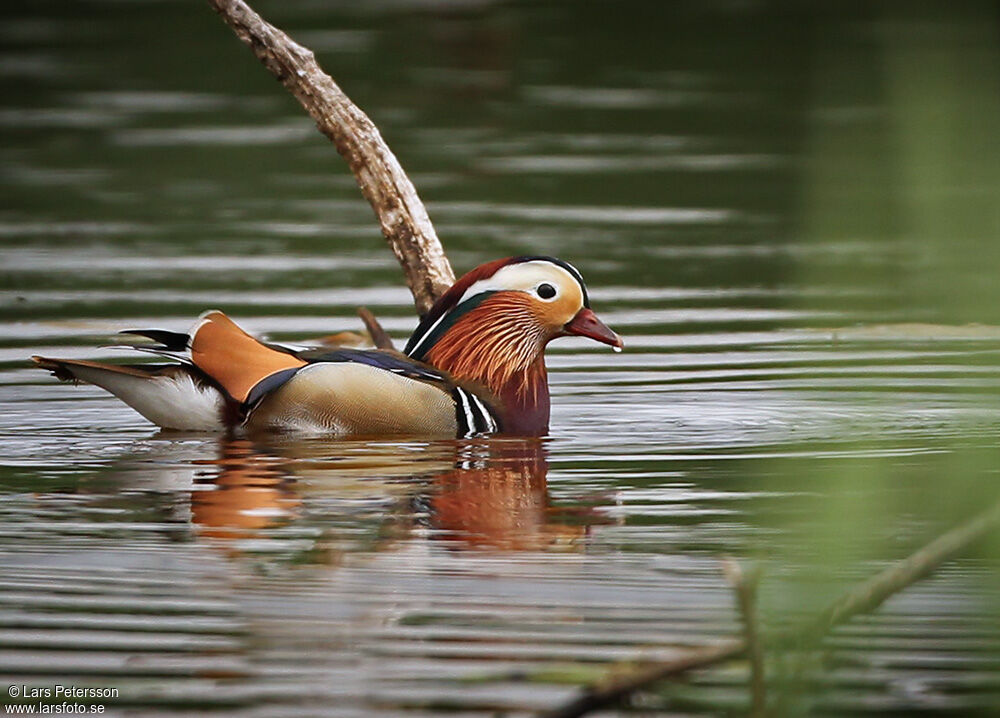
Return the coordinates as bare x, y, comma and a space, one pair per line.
546, 291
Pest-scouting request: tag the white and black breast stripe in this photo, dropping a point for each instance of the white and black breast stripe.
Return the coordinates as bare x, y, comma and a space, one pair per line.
472, 415
484, 414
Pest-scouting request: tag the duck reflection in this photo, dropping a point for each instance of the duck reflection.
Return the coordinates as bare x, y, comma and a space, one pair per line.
496, 498
250, 493
313, 501
469, 494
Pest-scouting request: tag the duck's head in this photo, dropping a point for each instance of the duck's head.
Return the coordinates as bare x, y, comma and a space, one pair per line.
492, 326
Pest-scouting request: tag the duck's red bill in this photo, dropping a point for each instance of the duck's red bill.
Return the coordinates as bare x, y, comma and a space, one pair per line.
586, 324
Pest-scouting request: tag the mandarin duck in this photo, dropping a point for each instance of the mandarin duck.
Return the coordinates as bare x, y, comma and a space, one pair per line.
474, 365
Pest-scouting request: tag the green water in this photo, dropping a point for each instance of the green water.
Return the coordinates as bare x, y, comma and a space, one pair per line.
790, 215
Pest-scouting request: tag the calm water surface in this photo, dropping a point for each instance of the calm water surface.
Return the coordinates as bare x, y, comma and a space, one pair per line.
798, 390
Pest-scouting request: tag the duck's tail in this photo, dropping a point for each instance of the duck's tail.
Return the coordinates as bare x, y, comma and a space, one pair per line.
172, 396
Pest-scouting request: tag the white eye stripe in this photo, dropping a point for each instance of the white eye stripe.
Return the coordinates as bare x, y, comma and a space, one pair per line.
524, 276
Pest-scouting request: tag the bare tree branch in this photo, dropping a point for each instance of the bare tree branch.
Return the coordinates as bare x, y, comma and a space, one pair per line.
612, 691
745, 584
400, 212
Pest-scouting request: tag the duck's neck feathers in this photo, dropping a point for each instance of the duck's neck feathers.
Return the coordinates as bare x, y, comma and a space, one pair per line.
429, 333
497, 342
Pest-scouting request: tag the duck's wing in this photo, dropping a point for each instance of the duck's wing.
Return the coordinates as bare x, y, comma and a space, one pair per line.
233, 358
